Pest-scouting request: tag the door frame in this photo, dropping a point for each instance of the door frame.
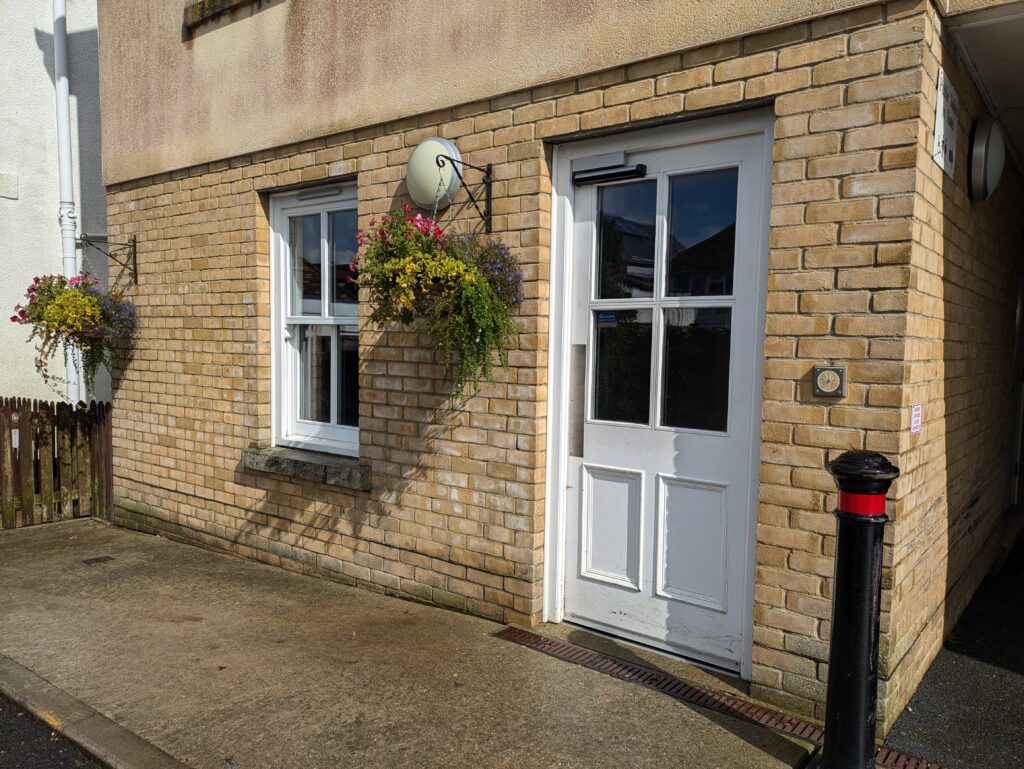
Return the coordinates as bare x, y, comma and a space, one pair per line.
748, 123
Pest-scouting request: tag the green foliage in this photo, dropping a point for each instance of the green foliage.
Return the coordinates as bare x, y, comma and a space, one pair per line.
75, 314
462, 291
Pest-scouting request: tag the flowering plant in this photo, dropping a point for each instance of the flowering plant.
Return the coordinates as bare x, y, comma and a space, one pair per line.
463, 289
75, 313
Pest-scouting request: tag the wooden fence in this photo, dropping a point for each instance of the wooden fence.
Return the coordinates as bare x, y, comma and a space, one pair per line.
55, 462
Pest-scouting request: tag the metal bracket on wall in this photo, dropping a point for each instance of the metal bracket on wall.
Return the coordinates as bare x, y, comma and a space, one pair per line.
123, 253
485, 215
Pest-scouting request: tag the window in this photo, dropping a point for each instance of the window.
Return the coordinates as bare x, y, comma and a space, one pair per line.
315, 320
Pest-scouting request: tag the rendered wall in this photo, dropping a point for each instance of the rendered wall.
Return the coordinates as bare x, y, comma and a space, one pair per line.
29, 191
282, 71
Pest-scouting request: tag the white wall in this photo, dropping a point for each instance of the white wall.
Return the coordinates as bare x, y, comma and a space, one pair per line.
29, 191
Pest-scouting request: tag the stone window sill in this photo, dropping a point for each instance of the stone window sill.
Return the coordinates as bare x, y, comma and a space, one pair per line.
331, 469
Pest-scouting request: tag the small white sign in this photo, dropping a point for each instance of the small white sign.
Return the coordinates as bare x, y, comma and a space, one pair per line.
947, 107
915, 419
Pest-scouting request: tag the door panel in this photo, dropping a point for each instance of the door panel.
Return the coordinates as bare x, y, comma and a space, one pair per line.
666, 324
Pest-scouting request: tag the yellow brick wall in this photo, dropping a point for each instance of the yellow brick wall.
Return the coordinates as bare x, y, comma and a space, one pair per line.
965, 267
456, 512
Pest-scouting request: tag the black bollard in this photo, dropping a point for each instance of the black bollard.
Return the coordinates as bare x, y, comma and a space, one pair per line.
863, 478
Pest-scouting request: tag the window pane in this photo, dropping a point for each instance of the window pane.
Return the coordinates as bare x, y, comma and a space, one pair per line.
348, 379
696, 368
315, 372
625, 248
622, 379
304, 244
344, 291
702, 233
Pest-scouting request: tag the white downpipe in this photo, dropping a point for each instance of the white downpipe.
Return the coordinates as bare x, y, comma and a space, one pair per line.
67, 216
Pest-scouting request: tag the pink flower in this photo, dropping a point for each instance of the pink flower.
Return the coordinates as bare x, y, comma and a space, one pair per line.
406, 207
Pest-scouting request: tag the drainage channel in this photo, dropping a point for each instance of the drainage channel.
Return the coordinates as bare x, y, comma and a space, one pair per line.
720, 702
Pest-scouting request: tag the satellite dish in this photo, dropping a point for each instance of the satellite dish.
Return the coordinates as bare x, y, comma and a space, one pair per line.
430, 183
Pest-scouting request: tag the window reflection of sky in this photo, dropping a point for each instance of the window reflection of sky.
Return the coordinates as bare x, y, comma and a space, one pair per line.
702, 205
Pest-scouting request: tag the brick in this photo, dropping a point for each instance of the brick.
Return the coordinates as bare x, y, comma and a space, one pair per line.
628, 92
841, 211
842, 165
811, 53
652, 108
805, 191
558, 126
843, 22
885, 183
711, 53
603, 118
810, 100
698, 77
850, 68
805, 235
875, 232
875, 277
779, 82
806, 146
884, 87
744, 68
581, 102
887, 36
846, 117
775, 38
888, 135
657, 66
716, 96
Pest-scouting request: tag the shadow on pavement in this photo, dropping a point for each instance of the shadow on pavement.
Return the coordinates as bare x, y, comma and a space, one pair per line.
969, 710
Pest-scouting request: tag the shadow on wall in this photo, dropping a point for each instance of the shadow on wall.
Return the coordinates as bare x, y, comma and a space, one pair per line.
83, 65
91, 204
981, 245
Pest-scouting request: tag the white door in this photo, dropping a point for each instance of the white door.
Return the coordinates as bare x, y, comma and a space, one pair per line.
665, 366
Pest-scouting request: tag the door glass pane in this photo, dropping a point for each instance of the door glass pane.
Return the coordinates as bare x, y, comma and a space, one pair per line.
304, 243
625, 240
314, 372
344, 291
622, 375
702, 233
695, 391
348, 379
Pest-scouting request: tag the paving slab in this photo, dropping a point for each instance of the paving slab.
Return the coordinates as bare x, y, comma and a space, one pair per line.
968, 712
228, 664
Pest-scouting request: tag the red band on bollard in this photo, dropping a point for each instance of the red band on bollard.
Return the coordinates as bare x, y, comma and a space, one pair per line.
862, 504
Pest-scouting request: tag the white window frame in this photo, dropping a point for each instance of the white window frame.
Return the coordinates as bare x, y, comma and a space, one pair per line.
288, 429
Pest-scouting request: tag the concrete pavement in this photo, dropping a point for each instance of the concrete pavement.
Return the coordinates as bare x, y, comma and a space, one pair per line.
227, 664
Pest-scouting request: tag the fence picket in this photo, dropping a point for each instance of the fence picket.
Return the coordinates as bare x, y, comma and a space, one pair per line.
66, 468
7, 513
83, 457
26, 455
44, 437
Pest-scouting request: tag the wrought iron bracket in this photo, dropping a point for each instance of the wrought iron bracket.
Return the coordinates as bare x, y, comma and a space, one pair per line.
487, 171
124, 253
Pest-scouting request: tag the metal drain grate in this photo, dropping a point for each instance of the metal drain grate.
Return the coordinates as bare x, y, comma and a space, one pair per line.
720, 702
